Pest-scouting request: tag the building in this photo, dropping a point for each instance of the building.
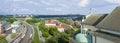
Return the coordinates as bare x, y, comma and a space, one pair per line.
15, 26
104, 28
1, 29
3, 26
70, 21
60, 26
51, 23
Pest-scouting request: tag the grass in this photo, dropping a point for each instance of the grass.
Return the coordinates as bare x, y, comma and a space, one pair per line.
2, 39
13, 35
36, 37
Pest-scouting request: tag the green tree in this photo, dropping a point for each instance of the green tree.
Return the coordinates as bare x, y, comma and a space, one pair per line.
42, 27
69, 32
77, 25
11, 20
63, 38
52, 40
30, 21
53, 31
63, 21
45, 34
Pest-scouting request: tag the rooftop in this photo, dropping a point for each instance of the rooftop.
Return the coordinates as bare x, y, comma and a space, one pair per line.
108, 27
92, 19
50, 21
112, 21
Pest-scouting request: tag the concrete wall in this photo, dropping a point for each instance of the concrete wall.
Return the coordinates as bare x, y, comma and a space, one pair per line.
101, 40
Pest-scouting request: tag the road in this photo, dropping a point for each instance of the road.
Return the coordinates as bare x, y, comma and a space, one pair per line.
27, 38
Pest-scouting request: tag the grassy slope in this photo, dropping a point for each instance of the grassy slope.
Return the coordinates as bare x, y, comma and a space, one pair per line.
36, 37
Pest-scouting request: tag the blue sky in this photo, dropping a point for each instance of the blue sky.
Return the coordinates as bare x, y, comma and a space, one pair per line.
57, 6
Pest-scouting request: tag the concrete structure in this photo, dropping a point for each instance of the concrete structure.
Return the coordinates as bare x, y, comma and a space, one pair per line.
103, 28
83, 38
1, 29
15, 26
3, 26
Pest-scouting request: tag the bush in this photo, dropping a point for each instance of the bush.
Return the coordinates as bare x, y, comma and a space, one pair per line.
64, 21
63, 38
53, 31
11, 20
52, 40
30, 21
45, 34
69, 32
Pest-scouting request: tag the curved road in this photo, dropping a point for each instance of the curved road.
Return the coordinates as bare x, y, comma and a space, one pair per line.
26, 38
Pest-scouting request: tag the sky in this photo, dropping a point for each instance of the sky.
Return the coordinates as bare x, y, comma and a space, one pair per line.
57, 6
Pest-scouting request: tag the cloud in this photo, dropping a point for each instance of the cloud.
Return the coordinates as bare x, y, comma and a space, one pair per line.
32, 2
24, 9
27, 1
14, 9
64, 5
45, 2
83, 3
113, 1
49, 2
18, 0
54, 9
20, 9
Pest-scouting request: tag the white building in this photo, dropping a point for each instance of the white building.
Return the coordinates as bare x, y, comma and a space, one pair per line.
15, 26
50, 23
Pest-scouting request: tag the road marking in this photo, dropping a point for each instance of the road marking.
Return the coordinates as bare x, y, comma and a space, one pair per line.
23, 36
30, 35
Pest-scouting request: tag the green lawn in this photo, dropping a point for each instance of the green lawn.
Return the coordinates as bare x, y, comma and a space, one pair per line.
13, 35
2, 39
36, 37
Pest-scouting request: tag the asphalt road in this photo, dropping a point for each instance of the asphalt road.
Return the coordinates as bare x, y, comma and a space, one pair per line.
27, 38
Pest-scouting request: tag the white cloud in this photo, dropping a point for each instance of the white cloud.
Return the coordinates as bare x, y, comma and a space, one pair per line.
49, 2
83, 3
20, 9
18, 0
14, 10
45, 2
54, 9
32, 2
64, 5
113, 1
24, 9
27, 1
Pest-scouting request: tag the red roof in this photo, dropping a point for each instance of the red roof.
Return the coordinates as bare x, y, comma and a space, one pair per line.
50, 22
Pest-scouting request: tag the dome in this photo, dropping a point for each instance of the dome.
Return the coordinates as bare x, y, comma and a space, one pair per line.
83, 38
